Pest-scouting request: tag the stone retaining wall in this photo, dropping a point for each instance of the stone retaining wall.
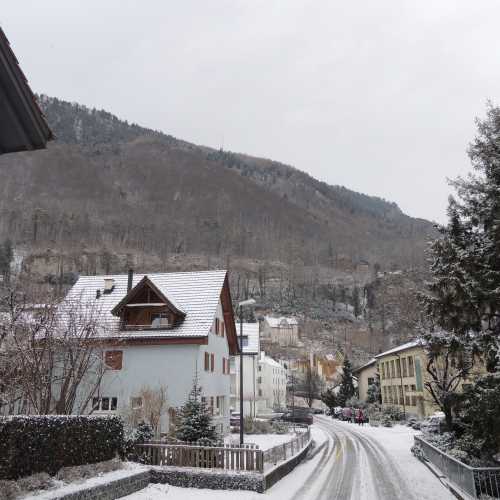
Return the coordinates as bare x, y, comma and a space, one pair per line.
210, 479
285, 468
114, 489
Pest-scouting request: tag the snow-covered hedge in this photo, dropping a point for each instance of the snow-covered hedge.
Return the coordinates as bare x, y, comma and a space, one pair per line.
46, 443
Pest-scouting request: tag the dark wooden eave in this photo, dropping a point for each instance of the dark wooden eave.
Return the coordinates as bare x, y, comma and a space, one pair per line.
227, 308
22, 124
145, 282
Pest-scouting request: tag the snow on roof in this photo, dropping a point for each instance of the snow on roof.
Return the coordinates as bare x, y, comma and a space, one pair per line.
250, 330
270, 361
366, 365
195, 293
275, 322
403, 347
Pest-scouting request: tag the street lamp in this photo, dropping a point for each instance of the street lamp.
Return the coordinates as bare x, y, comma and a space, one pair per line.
241, 305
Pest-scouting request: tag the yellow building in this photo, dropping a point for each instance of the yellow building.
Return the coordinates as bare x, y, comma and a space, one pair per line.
403, 376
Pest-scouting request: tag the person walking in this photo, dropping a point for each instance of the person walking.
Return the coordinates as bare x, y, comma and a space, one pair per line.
360, 417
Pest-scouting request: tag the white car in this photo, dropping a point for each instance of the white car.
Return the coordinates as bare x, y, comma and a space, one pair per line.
433, 423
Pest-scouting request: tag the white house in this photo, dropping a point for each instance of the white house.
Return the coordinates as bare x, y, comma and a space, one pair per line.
162, 330
282, 331
271, 384
251, 354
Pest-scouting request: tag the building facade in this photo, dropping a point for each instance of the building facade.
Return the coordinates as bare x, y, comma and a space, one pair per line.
159, 333
271, 384
366, 376
282, 331
251, 353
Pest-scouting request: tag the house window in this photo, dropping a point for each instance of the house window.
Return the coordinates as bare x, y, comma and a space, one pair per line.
414, 400
136, 403
260, 392
160, 320
212, 362
370, 380
411, 369
393, 373
207, 362
413, 388
383, 371
405, 371
113, 359
398, 368
104, 404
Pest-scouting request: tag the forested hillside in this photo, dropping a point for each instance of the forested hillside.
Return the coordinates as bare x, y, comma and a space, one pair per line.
108, 195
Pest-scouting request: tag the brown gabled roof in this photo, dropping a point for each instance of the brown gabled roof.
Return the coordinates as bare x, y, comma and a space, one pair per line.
146, 282
22, 124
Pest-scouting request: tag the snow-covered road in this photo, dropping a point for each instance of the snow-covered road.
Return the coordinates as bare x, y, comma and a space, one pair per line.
353, 463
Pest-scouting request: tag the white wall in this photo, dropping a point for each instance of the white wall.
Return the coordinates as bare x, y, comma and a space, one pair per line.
173, 366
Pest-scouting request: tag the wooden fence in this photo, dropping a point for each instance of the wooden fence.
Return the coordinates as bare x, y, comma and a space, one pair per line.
246, 457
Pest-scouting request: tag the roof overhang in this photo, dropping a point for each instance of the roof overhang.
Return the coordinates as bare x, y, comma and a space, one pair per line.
145, 282
22, 124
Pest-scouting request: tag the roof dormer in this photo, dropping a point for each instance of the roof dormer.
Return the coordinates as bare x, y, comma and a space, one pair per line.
146, 307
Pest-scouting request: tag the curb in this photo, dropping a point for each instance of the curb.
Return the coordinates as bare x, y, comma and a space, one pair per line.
314, 451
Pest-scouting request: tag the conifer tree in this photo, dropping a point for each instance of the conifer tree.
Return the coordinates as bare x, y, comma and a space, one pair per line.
195, 421
464, 294
347, 389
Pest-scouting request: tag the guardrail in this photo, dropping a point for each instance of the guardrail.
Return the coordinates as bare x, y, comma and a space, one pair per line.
287, 450
474, 481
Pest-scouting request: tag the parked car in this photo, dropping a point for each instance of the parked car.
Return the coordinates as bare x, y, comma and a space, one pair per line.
234, 419
298, 415
433, 424
318, 411
337, 412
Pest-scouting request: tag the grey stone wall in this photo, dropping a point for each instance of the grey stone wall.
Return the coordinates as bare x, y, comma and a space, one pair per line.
114, 489
214, 480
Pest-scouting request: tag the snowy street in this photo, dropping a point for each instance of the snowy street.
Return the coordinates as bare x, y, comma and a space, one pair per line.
355, 463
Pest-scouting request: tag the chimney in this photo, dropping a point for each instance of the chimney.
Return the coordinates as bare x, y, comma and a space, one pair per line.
130, 279
109, 285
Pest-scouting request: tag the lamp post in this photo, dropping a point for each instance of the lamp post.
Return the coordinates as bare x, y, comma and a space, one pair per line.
241, 305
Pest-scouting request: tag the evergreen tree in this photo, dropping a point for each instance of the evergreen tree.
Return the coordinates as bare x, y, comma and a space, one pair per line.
464, 295
356, 301
6, 256
329, 399
374, 394
195, 421
347, 389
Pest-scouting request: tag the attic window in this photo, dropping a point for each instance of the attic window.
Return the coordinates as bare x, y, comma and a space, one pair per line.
159, 320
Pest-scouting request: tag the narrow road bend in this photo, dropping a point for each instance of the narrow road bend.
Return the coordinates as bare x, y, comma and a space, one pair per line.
353, 466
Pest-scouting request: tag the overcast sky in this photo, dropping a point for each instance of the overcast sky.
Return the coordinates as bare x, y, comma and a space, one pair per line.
379, 96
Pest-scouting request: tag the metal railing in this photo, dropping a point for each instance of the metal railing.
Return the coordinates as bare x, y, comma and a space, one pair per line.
287, 450
477, 482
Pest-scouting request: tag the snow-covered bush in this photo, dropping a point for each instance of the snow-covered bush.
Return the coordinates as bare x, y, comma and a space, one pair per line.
46, 443
79, 472
279, 427
256, 426
39, 481
9, 490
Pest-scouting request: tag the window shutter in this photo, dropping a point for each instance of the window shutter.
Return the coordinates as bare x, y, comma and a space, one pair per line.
114, 359
223, 366
222, 328
207, 362
216, 326
212, 362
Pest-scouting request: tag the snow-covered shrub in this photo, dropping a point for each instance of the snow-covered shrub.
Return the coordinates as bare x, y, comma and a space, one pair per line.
46, 443
386, 421
9, 490
393, 412
416, 449
279, 427
39, 481
79, 472
255, 426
